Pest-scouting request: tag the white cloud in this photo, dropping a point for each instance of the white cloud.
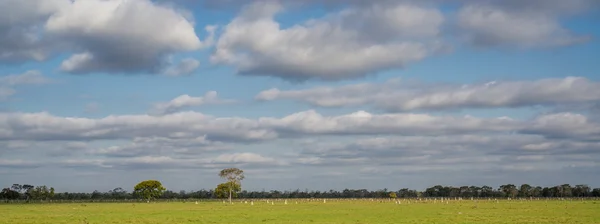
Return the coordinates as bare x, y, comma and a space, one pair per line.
487, 25
20, 38
352, 43
122, 36
186, 101
395, 95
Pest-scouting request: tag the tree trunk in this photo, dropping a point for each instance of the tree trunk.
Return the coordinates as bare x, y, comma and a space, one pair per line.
230, 190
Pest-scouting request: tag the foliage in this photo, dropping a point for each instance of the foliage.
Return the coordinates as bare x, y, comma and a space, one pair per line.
9, 194
393, 195
222, 190
149, 189
30, 192
234, 176
564, 190
41, 192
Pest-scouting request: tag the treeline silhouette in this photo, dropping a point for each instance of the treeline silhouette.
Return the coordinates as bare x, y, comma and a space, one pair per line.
29, 192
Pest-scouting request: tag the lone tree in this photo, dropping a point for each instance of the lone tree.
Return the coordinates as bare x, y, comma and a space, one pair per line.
149, 189
234, 176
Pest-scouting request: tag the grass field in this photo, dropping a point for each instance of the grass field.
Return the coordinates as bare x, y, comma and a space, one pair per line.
347, 211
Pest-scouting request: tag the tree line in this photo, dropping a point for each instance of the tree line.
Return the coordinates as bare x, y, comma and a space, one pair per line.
504, 191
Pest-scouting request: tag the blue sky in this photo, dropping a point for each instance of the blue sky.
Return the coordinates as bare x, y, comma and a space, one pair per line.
101, 94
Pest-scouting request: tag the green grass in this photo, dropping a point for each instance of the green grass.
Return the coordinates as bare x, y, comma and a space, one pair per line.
346, 211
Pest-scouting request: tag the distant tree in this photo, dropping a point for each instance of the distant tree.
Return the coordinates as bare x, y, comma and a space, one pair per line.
27, 189
9, 194
223, 190
525, 190
17, 188
42, 193
509, 190
118, 193
537, 191
565, 190
487, 191
233, 176
581, 190
51, 193
149, 189
596, 192
393, 195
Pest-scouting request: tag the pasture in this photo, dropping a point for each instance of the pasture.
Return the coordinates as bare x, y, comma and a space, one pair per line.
308, 211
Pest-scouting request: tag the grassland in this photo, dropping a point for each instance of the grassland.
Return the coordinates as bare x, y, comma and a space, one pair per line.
333, 211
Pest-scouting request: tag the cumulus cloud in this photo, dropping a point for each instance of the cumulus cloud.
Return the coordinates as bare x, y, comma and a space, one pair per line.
490, 23
20, 38
351, 43
113, 36
395, 95
121, 36
186, 101
487, 25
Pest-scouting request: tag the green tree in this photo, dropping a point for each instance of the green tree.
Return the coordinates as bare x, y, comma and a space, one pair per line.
393, 195
222, 190
233, 176
149, 189
51, 193
9, 194
525, 190
509, 190
27, 188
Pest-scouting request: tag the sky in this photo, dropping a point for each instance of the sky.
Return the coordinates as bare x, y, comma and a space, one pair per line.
303, 94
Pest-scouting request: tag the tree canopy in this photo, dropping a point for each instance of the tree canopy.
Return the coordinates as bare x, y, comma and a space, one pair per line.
149, 189
223, 189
